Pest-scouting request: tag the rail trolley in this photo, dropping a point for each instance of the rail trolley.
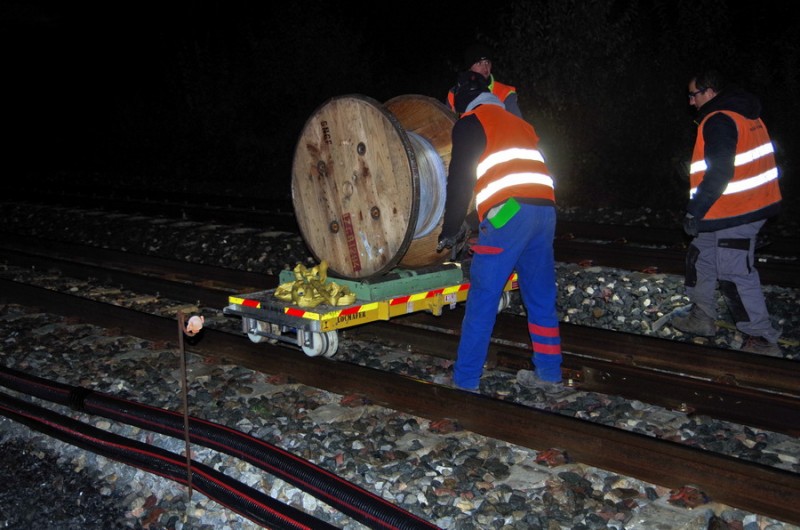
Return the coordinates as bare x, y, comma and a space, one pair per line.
266, 318
369, 192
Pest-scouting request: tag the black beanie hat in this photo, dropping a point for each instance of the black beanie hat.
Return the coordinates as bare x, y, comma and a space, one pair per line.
476, 53
468, 86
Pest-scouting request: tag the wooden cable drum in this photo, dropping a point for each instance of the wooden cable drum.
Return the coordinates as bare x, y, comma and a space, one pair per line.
368, 183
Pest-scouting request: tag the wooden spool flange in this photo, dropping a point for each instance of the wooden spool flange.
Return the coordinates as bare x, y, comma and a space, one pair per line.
356, 184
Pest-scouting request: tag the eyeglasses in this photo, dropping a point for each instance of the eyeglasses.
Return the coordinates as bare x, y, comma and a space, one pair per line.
694, 94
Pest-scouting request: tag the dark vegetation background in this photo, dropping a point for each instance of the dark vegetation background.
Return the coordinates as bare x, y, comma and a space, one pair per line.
212, 96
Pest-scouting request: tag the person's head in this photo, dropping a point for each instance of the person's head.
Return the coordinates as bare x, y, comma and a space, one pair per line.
704, 86
478, 58
468, 86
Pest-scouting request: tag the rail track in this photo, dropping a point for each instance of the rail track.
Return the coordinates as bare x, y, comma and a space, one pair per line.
632, 247
749, 389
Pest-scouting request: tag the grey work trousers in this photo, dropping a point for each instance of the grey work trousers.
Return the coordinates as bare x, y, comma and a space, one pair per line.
728, 256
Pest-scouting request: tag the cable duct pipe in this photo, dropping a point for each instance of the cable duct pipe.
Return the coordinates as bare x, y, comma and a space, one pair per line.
241, 498
363, 506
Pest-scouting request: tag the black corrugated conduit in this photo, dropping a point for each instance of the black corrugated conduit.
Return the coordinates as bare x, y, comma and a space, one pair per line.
241, 498
363, 506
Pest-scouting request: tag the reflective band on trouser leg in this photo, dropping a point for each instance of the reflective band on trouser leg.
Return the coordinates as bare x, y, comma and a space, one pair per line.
546, 340
537, 286
546, 351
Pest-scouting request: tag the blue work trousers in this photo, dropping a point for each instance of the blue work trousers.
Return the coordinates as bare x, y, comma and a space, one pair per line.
524, 244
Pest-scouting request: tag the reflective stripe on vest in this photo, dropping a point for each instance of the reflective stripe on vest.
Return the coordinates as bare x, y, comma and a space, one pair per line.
511, 164
755, 177
501, 90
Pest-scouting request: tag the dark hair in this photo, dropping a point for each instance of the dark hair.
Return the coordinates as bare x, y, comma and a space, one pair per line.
468, 86
709, 79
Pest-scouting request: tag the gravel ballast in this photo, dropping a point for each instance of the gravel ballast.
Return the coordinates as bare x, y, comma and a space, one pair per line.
453, 478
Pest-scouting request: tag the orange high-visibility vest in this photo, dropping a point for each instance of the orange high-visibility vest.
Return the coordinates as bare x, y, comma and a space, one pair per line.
501, 90
511, 165
755, 175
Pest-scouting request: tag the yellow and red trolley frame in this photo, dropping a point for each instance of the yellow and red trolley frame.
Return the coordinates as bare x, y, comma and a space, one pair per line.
265, 307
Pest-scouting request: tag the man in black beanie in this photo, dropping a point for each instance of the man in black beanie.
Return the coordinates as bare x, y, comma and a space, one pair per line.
478, 58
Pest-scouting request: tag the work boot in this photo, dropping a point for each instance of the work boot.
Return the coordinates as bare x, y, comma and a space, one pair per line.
447, 380
761, 346
696, 323
529, 379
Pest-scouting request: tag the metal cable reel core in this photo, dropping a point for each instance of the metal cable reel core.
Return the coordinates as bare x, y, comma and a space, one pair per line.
432, 185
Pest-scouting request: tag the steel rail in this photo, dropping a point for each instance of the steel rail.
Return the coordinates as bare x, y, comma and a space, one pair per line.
726, 384
746, 485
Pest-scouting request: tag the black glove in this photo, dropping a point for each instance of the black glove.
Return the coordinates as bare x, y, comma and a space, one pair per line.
454, 242
690, 225
445, 242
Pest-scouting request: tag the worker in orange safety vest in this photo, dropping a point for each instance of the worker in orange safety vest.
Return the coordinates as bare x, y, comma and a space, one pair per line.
496, 158
478, 58
734, 189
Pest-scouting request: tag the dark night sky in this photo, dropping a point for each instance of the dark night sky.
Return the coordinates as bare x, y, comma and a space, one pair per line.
111, 86
79, 53
73, 64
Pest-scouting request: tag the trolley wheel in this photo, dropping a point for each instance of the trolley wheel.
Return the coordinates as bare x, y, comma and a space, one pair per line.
505, 301
322, 343
259, 325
